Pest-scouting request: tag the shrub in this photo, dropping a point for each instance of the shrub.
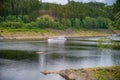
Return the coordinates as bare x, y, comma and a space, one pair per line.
12, 25
11, 18
31, 25
99, 22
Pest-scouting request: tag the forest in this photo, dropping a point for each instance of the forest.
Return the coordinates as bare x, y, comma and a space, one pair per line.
34, 14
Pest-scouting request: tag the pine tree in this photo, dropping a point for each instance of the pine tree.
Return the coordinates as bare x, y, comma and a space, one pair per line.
117, 6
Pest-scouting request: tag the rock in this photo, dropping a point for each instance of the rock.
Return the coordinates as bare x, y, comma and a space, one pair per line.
49, 72
67, 74
1, 38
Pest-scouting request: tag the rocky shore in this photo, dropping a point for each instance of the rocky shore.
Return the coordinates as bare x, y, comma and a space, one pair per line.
104, 73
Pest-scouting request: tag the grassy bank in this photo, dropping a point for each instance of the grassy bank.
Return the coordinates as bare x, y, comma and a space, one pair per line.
104, 73
46, 33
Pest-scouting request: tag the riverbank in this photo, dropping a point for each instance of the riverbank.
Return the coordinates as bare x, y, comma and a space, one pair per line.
103, 73
44, 34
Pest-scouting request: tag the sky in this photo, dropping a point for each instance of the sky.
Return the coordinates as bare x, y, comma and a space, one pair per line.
109, 2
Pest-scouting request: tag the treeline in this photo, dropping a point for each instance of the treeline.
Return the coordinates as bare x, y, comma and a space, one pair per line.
76, 10
19, 7
49, 22
35, 14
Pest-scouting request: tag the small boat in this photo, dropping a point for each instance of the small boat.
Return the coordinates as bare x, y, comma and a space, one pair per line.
58, 40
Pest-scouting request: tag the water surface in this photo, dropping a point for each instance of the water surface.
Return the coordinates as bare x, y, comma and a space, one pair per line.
19, 61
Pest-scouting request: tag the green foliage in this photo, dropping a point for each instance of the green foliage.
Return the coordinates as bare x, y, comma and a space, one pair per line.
96, 4
31, 25
110, 43
19, 7
75, 10
117, 21
77, 23
12, 25
99, 22
66, 23
103, 75
117, 6
103, 22
89, 22
11, 18
44, 23
25, 18
34, 14
109, 73
56, 25
100, 44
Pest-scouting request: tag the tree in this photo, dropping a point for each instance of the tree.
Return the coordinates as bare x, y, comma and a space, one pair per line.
103, 23
18, 7
68, 1
117, 21
1, 4
89, 22
116, 6
77, 23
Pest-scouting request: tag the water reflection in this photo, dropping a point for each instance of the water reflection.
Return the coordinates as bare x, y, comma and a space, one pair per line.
42, 62
106, 58
19, 61
18, 55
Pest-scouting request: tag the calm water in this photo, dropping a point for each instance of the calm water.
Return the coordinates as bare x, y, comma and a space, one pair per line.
19, 61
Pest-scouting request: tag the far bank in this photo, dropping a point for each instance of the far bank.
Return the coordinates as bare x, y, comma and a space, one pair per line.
21, 34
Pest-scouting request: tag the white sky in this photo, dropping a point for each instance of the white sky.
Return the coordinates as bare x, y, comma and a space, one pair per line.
109, 2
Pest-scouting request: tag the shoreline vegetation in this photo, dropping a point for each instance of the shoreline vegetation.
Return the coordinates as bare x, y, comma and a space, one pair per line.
35, 34
100, 73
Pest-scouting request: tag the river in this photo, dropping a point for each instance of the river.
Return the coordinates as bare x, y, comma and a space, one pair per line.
24, 60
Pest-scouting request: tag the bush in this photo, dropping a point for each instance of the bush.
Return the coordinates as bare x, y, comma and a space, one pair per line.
57, 25
117, 21
31, 25
89, 22
66, 23
26, 19
11, 18
103, 22
100, 22
12, 25
44, 23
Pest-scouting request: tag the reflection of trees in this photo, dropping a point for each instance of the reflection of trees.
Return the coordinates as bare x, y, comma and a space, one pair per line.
17, 55
116, 56
56, 48
72, 57
84, 59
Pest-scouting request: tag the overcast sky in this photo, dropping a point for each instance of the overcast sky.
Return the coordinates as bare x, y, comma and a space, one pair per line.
109, 2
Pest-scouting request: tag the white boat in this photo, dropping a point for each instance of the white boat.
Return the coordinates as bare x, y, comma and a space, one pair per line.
58, 40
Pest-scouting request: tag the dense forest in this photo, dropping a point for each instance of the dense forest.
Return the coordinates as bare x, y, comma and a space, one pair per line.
34, 14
